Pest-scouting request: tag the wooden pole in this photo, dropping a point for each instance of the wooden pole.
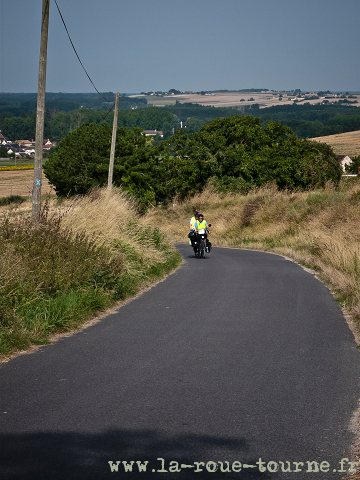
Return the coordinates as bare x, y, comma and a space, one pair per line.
40, 112
113, 141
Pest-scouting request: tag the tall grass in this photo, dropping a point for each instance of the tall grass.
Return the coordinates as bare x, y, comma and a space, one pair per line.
82, 256
319, 229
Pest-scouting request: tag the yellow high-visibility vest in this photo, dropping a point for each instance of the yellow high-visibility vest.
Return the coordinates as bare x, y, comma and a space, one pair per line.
201, 226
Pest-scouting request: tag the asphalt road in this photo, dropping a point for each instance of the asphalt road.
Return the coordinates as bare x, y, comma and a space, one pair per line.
234, 358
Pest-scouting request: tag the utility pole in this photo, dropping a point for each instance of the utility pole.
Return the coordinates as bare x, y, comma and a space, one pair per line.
40, 112
113, 141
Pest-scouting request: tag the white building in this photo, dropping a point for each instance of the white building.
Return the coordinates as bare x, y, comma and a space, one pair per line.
344, 160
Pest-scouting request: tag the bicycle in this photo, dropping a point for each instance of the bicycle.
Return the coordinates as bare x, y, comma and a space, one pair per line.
202, 247
204, 244
199, 243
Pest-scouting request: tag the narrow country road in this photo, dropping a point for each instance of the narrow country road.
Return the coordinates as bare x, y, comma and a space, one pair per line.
235, 358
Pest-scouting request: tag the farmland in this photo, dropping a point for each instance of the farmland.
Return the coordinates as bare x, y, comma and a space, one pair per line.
19, 182
343, 143
230, 99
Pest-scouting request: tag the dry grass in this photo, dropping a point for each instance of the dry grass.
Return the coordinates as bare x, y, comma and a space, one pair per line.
355, 427
343, 143
103, 215
109, 217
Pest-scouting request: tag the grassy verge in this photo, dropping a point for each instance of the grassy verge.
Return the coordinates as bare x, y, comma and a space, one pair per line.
318, 229
83, 256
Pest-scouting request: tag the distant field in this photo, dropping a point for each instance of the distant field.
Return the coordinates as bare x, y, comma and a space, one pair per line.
343, 143
10, 162
19, 182
227, 99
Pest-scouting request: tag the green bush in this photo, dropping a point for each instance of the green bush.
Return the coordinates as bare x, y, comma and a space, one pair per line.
237, 154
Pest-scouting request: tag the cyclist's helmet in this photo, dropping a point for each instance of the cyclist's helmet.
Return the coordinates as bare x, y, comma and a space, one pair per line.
196, 213
201, 215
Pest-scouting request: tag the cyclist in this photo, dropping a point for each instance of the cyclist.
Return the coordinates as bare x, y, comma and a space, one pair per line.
201, 228
192, 228
193, 220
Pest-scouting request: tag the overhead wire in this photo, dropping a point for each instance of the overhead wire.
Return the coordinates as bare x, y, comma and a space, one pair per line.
72, 44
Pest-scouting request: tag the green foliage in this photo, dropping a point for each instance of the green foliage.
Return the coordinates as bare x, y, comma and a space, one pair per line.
18, 128
234, 153
81, 162
353, 168
3, 152
194, 124
16, 103
60, 121
238, 153
305, 120
313, 120
184, 111
150, 118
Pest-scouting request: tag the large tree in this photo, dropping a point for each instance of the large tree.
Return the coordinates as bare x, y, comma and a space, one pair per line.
238, 153
81, 162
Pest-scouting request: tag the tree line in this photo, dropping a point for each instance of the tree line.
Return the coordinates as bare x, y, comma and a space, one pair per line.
16, 103
57, 125
17, 119
314, 120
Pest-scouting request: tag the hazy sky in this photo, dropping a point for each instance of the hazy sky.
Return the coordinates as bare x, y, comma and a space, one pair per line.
146, 45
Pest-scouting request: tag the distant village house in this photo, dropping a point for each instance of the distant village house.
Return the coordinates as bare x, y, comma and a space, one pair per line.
344, 160
153, 132
24, 148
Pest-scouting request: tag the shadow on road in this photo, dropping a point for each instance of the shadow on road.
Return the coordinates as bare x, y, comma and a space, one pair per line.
70, 456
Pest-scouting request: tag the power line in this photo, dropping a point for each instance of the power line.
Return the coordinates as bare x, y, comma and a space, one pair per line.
110, 109
80, 60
